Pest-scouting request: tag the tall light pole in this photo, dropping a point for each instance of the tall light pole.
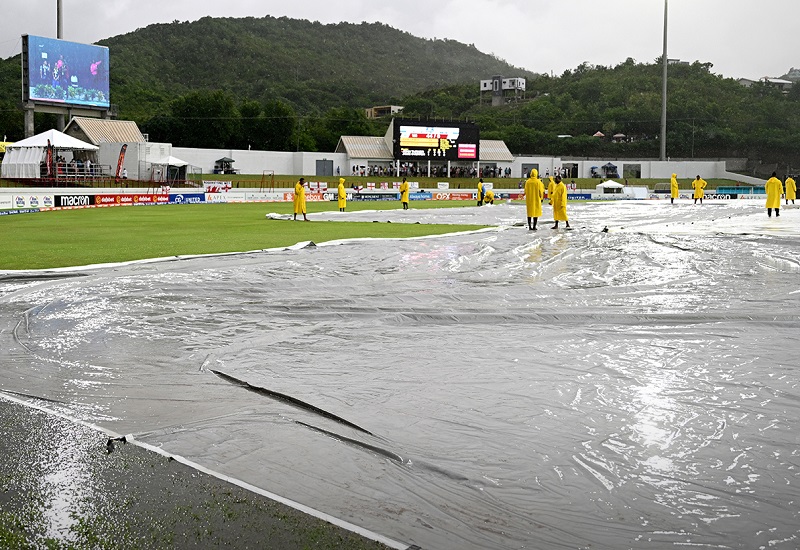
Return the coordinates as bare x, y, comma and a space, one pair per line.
59, 21
664, 91
60, 118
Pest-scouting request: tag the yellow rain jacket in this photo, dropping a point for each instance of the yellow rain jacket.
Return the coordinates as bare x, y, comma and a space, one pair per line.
550, 188
791, 189
698, 185
559, 201
673, 186
774, 188
404, 191
489, 196
534, 195
299, 198
480, 191
342, 195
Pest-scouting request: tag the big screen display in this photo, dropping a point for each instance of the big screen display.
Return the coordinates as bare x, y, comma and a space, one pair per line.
421, 140
65, 72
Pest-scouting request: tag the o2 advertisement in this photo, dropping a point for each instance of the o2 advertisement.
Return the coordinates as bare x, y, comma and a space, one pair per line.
64, 72
428, 140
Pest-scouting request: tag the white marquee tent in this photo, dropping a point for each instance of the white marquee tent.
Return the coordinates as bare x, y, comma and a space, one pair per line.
23, 158
168, 169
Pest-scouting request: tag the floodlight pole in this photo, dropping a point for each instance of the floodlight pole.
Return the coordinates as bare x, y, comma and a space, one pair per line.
60, 119
664, 91
59, 21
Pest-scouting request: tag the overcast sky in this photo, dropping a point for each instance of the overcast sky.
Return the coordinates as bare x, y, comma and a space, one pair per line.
741, 38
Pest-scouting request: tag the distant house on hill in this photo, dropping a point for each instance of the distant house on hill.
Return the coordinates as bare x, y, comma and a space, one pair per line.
383, 110
781, 84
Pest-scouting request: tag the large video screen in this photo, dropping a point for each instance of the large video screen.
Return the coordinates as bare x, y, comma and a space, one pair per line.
427, 140
64, 72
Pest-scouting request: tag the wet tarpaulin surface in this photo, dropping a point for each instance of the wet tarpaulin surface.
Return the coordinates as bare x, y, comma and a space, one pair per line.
636, 388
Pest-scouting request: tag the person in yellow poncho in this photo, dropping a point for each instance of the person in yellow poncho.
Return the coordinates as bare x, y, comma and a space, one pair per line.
550, 188
534, 195
480, 191
488, 198
559, 201
774, 189
791, 189
673, 189
698, 185
300, 199
404, 194
342, 196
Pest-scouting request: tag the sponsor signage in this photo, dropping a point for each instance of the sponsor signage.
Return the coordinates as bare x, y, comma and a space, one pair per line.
187, 198
27, 201
216, 186
455, 196
130, 199
264, 197
376, 197
579, 196
420, 196
71, 201
334, 196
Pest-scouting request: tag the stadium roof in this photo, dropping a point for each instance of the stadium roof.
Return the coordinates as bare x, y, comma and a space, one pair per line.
364, 147
101, 130
494, 150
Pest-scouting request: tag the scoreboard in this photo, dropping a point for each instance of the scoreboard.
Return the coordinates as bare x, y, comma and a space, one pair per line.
428, 140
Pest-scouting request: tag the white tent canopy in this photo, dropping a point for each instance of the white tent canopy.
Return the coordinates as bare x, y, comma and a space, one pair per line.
23, 158
170, 161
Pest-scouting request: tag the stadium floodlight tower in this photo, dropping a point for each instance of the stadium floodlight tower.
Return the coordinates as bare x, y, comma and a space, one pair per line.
60, 118
664, 91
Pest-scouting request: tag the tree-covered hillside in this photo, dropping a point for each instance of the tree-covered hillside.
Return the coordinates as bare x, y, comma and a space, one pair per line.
284, 84
707, 116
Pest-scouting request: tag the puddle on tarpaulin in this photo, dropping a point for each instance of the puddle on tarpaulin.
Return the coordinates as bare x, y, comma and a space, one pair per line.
554, 389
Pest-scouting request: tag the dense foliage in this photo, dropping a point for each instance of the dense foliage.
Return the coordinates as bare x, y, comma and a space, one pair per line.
707, 116
283, 84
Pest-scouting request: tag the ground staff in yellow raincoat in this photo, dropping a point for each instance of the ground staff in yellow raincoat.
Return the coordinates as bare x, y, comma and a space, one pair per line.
791, 190
480, 192
698, 185
342, 196
488, 197
300, 199
404, 194
774, 189
534, 195
559, 201
673, 188
550, 188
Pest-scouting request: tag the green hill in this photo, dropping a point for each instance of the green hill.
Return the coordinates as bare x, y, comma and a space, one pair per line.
286, 84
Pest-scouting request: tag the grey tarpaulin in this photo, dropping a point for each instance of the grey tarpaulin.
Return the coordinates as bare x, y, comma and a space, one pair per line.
503, 389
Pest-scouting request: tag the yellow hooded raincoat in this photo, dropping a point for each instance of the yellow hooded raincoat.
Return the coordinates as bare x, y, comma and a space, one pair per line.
673, 186
404, 191
774, 189
534, 195
550, 188
698, 185
342, 195
559, 201
299, 198
791, 189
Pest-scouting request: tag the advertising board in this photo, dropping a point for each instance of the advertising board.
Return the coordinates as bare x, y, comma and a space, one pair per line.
70, 73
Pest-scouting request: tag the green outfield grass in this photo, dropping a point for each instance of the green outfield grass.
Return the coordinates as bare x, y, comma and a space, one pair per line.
102, 235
